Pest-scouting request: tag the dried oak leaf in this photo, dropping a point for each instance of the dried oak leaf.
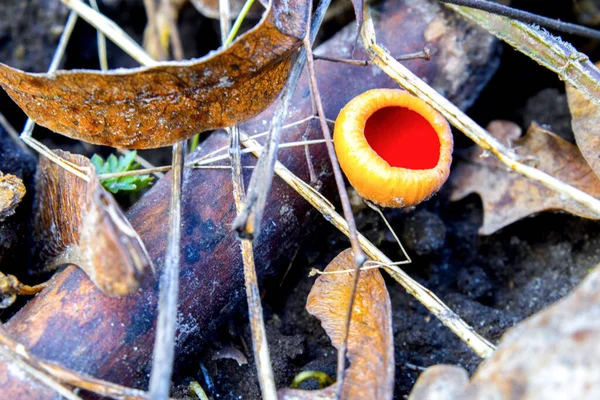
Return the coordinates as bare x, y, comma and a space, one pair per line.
553, 354
161, 105
507, 196
78, 222
586, 126
12, 191
370, 340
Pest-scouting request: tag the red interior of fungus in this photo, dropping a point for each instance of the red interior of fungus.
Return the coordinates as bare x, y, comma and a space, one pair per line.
403, 138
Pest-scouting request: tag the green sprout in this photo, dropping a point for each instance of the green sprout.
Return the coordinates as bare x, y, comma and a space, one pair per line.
124, 163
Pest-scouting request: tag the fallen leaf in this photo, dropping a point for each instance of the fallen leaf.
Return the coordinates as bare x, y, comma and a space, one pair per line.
552, 355
507, 196
161, 105
370, 341
586, 125
210, 8
78, 222
12, 191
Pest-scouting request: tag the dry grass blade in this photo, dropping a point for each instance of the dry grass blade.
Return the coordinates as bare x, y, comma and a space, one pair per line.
448, 317
460, 120
12, 132
247, 223
359, 257
65, 376
550, 51
164, 343
255, 312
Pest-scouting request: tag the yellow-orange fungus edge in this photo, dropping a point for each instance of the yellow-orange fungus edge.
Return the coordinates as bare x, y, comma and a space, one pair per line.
371, 175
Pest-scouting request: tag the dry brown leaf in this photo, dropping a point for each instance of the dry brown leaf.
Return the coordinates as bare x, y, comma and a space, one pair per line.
507, 196
12, 191
161, 105
78, 222
586, 126
370, 341
554, 354
210, 8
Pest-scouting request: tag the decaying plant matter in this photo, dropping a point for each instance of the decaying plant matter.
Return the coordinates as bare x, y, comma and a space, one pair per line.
163, 104
211, 256
78, 222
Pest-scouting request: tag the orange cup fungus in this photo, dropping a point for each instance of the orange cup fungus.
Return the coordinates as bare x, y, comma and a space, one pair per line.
394, 148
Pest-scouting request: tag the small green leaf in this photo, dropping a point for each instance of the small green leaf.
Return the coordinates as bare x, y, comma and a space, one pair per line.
124, 163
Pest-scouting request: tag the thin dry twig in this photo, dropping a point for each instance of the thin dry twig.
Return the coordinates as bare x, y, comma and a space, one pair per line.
37, 375
154, 34
111, 30
260, 345
224, 19
359, 257
460, 120
143, 162
102, 56
547, 50
528, 17
255, 312
173, 30
424, 54
247, 223
164, 343
12, 132
467, 334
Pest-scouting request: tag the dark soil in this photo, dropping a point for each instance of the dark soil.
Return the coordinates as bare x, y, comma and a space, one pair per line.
492, 282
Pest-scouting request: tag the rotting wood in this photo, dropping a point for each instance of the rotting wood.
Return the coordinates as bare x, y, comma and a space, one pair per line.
75, 325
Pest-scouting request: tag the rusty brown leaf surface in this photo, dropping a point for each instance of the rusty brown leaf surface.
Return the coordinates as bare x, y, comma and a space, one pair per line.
161, 105
370, 340
78, 222
508, 197
12, 191
586, 125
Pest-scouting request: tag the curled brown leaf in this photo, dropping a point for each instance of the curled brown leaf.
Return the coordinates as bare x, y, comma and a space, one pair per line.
507, 196
586, 125
78, 222
370, 340
172, 101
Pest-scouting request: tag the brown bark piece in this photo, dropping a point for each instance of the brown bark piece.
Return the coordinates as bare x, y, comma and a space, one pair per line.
73, 324
161, 105
507, 196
